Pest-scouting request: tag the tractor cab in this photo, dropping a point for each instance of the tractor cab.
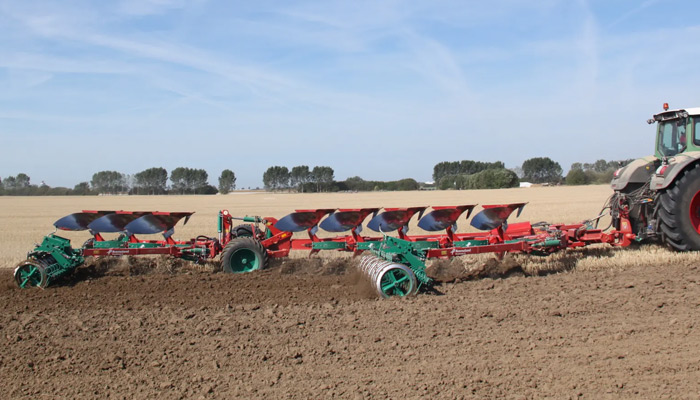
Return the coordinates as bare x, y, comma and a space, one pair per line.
675, 132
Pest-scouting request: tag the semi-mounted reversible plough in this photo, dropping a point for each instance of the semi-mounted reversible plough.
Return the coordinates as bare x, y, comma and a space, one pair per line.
394, 264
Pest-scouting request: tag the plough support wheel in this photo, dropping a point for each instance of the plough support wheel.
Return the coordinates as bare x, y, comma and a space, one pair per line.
243, 254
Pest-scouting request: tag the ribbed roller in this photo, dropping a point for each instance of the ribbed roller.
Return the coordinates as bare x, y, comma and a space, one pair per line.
32, 273
388, 278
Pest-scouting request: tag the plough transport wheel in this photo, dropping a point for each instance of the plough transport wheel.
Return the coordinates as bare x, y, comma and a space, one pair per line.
243, 254
31, 273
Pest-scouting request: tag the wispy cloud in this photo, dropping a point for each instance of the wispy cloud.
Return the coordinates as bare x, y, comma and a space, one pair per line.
338, 81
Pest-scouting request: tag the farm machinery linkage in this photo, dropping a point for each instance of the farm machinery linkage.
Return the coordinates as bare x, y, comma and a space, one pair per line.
395, 265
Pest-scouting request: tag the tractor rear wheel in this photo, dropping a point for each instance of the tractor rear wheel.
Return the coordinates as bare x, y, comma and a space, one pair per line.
243, 254
679, 213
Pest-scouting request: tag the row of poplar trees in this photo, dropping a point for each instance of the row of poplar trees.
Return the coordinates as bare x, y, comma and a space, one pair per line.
155, 181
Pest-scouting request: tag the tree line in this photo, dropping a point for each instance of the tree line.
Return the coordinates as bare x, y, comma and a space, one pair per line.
598, 172
322, 179
301, 178
468, 174
150, 181
465, 174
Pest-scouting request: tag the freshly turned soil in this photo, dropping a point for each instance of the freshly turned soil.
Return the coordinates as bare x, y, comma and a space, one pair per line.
305, 329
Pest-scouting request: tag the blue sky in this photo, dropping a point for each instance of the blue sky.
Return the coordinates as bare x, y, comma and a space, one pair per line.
379, 89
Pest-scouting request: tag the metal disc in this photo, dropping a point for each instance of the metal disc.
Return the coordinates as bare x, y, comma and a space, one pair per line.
155, 223
438, 220
493, 217
115, 222
299, 221
79, 221
389, 221
341, 221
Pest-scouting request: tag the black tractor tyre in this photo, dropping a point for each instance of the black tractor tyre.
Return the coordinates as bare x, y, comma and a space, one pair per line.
679, 211
245, 230
243, 254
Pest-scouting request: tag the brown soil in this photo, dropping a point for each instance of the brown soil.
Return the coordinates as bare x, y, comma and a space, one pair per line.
303, 329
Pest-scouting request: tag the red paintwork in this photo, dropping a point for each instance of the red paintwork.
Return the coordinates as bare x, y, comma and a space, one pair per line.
279, 243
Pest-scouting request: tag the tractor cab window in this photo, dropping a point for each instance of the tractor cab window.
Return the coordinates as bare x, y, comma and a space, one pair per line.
672, 139
696, 130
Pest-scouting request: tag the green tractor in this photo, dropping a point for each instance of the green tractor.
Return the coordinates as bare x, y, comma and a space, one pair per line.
661, 193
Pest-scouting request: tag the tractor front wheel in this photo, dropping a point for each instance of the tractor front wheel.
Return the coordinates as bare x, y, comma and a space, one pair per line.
679, 213
243, 254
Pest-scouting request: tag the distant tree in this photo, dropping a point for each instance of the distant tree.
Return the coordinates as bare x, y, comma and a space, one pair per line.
599, 172
109, 182
276, 178
541, 170
82, 189
207, 189
576, 177
189, 180
322, 176
10, 183
464, 167
600, 166
299, 177
518, 172
151, 181
22, 180
227, 181
486, 179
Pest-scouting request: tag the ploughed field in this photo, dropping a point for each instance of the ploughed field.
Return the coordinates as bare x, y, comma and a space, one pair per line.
594, 323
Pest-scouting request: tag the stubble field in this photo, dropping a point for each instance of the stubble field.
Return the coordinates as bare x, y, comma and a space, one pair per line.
595, 323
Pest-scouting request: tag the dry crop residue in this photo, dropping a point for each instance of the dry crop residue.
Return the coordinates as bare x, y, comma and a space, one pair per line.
308, 330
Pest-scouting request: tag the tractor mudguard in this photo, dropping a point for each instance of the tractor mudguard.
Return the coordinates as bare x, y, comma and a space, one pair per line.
676, 165
638, 171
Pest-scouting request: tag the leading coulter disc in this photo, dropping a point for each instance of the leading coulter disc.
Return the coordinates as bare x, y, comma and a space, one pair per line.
31, 273
388, 278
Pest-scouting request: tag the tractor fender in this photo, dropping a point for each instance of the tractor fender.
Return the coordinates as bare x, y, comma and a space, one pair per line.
638, 171
676, 165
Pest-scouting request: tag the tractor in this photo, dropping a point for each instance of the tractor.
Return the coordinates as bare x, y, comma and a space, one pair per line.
661, 193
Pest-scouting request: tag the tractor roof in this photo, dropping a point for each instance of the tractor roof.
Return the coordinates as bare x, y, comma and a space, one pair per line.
673, 114
690, 111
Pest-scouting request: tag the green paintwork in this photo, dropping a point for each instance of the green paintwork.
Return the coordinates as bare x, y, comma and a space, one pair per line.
548, 243
143, 245
29, 276
328, 245
58, 256
411, 254
468, 243
693, 137
368, 245
424, 245
392, 283
122, 241
245, 260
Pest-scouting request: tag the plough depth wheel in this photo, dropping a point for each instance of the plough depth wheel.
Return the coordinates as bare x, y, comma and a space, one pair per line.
243, 254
